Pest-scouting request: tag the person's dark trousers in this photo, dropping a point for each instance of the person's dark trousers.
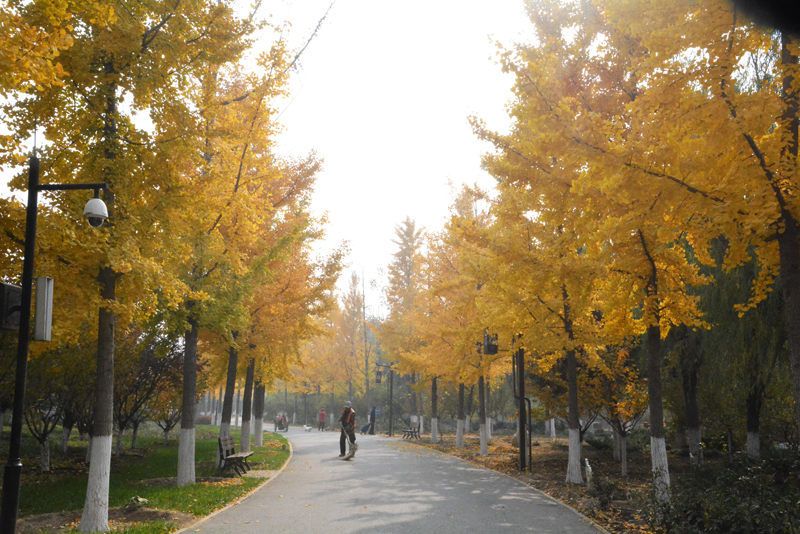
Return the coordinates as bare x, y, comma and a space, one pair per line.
343, 440
372, 428
321, 426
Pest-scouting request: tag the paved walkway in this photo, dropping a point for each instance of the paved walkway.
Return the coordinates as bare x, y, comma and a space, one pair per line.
389, 487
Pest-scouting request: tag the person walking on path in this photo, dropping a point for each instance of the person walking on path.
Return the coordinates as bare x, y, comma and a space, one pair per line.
321, 420
348, 420
277, 421
372, 421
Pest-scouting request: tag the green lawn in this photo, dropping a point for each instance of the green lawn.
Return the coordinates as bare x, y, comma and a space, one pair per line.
65, 487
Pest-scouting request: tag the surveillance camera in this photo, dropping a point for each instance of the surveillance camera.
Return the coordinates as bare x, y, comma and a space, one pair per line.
96, 212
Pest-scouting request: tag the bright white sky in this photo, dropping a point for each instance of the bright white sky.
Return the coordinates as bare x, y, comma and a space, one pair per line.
383, 95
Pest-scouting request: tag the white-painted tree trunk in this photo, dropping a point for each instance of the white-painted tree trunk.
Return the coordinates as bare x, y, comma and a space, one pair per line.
224, 430
44, 454
258, 433
489, 422
421, 424
460, 433
434, 430
484, 440
753, 445
658, 457
467, 424
553, 427
95, 510
574, 475
695, 444
244, 444
294, 418
65, 432
166, 437
237, 410
186, 450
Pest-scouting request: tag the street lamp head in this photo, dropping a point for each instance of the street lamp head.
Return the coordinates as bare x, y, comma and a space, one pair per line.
96, 212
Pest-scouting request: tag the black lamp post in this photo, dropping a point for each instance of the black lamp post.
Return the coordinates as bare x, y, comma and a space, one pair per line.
96, 213
391, 387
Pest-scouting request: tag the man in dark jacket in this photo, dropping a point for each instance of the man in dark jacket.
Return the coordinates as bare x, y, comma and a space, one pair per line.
348, 420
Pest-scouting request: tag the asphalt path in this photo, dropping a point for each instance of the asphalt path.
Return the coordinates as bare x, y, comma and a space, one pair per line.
390, 486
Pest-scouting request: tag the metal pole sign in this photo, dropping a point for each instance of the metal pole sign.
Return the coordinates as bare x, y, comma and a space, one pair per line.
44, 309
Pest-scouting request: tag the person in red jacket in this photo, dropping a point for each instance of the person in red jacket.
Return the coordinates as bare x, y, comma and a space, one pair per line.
348, 420
321, 420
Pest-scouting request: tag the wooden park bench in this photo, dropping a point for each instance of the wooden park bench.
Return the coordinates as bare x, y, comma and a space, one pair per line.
412, 432
230, 459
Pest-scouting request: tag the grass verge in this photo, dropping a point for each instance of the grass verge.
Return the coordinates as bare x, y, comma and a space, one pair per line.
149, 472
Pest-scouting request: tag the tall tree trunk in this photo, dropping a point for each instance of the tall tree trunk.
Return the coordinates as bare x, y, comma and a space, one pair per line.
186, 440
247, 408
65, 432
135, 435
67, 423
460, 420
755, 398
258, 414
689, 379
227, 403
434, 412
658, 446
789, 237
484, 450
574, 475
220, 402
237, 409
623, 452
44, 455
95, 508
120, 433
470, 408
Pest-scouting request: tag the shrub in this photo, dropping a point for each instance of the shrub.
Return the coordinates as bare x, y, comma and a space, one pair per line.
202, 420
601, 443
639, 440
746, 498
603, 490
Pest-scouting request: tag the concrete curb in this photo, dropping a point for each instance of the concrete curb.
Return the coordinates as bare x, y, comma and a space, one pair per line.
583, 517
240, 499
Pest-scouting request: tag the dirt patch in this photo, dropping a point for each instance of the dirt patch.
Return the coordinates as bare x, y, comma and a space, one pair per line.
117, 518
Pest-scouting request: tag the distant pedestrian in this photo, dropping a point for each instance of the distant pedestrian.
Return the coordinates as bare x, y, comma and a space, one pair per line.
321, 420
348, 420
372, 414
277, 421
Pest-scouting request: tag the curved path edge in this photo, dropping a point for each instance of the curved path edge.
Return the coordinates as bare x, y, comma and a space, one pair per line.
236, 502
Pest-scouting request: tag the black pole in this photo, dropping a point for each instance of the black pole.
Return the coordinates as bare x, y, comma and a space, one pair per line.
523, 423
13, 472
391, 403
